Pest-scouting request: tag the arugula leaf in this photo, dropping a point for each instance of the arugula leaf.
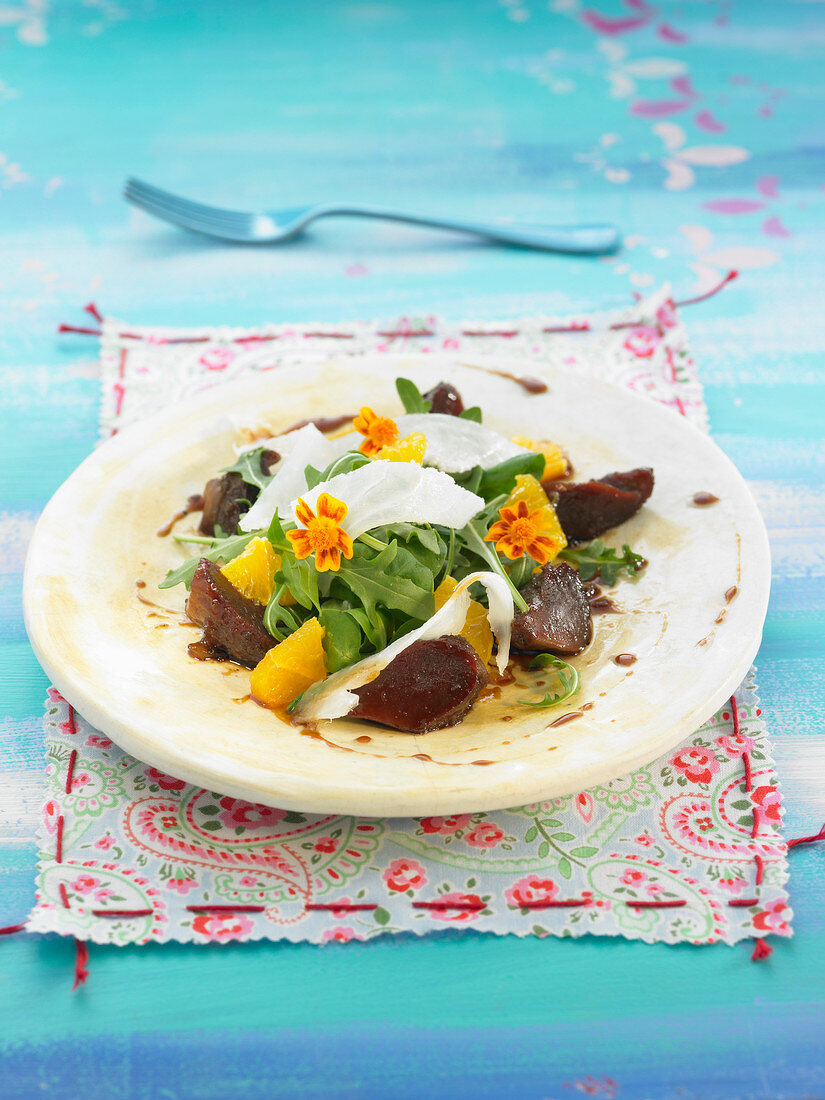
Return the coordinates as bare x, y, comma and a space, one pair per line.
313, 477
250, 469
276, 614
393, 578
568, 679
344, 464
596, 558
469, 479
220, 550
302, 580
502, 478
411, 397
374, 626
301, 576
422, 541
473, 413
342, 637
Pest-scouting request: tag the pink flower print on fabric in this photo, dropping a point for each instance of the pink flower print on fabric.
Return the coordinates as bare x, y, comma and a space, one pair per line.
446, 826
51, 812
642, 341
768, 799
248, 815
734, 885
529, 889
734, 744
633, 878
772, 918
223, 926
217, 358
584, 805
98, 741
325, 845
105, 842
181, 885
458, 915
164, 781
666, 315
485, 835
697, 764
403, 875
341, 934
85, 884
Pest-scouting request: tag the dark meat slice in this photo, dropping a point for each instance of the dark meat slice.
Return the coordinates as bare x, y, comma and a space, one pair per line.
588, 509
445, 398
638, 481
232, 625
558, 616
429, 685
224, 502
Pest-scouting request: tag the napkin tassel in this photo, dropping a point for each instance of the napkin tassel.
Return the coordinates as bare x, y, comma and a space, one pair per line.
81, 959
761, 950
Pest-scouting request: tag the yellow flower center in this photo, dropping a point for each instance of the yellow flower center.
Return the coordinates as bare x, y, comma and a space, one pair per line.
323, 533
380, 431
523, 530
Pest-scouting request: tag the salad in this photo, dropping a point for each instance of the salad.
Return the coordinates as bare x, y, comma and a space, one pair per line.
392, 569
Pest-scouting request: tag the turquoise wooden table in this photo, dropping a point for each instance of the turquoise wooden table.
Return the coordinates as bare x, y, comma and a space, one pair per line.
700, 130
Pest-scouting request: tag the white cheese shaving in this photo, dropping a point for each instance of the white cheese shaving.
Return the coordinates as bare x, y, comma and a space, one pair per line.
455, 444
304, 447
335, 697
395, 492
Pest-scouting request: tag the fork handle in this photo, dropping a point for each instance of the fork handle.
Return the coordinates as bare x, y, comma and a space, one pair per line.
598, 238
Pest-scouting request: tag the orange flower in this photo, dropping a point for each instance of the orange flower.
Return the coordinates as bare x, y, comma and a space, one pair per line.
321, 533
519, 531
379, 430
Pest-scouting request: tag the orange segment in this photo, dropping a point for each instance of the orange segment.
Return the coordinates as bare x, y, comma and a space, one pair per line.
555, 460
409, 449
290, 667
476, 629
529, 490
253, 572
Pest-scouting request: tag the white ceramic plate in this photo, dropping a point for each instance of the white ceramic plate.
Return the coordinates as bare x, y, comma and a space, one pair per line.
123, 663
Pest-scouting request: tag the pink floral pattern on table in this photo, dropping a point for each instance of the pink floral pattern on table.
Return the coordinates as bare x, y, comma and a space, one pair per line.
130, 855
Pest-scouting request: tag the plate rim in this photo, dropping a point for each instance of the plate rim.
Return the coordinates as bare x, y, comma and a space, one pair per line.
230, 781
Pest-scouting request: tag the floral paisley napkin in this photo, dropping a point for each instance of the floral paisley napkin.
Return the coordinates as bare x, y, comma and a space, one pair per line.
686, 849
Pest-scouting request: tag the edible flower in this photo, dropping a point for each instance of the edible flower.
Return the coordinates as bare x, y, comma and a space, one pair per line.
519, 531
380, 431
321, 533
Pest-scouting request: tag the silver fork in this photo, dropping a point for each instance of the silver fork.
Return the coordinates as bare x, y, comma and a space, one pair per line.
274, 226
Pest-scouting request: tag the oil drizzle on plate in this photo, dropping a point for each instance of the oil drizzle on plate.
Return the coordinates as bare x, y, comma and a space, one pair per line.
193, 504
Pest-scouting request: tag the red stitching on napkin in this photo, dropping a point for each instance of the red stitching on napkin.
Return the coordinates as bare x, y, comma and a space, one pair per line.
554, 903
677, 903
122, 912
226, 908
58, 848
760, 868
761, 950
731, 275
576, 326
746, 760
743, 903
95, 312
465, 906
70, 721
64, 897
807, 839
10, 929
349, 907
81, 958
70, 771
